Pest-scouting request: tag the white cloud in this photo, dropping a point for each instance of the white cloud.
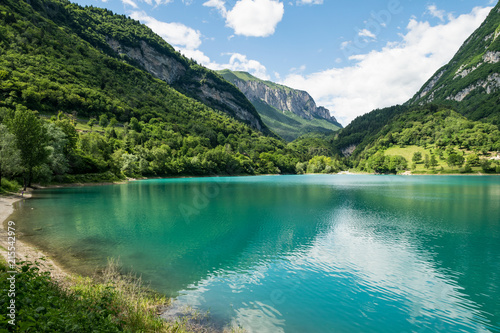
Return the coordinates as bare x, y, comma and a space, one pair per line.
217, 4
298, 70
309, 2
176, 34
255, 18
157, 2
367, 33
130, 3
240, 62
392, 75
237, 62
252, 18
434, 11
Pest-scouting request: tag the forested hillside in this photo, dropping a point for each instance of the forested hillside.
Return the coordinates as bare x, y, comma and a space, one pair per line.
470, 82
438, 129
86, 111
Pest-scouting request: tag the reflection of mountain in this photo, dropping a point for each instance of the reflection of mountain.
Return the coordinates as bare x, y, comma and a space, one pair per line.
234, 229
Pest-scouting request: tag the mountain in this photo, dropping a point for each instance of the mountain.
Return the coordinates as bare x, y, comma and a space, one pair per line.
130, 42
99, 97
470, 82
288, 112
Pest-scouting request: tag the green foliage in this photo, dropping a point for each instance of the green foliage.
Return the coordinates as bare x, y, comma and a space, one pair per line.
455, 159
417, 157
430, 126
108, 302
480, 103
56, 60
381, 163
91, 123
31, 138
365, 129
433, 161
323, 164
473, 160
41, 306
103, 120
9, 186
10, 156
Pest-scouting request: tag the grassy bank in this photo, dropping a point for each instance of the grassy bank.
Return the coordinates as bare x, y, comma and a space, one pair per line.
107, 302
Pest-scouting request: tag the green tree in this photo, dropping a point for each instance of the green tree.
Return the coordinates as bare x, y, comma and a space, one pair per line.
135, 125
10, 158
113, 122
31, 140
427, 161
473, 160
70, 132
417, 157
57, 144
91, 123
433, 162
103, 120
455, 159
397, 163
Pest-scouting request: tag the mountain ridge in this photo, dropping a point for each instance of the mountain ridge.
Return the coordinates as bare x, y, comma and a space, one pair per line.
470, 81
146, 50
469, 84
270, 99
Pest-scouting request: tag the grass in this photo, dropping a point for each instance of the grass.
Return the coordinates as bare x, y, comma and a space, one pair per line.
107, 302
442, 167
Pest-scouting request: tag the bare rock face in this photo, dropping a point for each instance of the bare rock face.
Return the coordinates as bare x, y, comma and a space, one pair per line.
209, 89
163, 67
490, 85
284, 99
473, 75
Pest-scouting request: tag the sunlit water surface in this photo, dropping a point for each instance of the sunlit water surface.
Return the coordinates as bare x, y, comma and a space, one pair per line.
293, 253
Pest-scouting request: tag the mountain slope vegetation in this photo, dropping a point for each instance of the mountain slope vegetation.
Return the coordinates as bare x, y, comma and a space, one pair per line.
97, 115
288, 112
435, 119
114, 35
470, 82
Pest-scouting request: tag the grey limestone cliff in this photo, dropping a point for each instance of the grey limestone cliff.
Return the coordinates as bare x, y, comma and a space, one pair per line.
281, 97
200, 83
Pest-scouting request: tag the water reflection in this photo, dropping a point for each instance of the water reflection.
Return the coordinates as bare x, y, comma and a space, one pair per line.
296, 254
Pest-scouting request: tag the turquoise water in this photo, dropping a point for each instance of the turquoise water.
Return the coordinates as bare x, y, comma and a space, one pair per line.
294, 253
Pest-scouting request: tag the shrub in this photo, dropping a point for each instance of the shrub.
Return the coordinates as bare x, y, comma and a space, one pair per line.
9, 186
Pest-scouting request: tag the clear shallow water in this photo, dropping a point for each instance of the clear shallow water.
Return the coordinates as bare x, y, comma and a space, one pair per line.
294, 253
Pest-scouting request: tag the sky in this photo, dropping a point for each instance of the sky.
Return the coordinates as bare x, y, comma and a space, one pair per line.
350, 56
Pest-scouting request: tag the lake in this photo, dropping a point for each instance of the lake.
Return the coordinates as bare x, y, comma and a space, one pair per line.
312, 253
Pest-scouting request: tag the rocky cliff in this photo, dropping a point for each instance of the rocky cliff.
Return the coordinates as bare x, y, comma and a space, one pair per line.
190, 79
280, 97
287, 112
471, 80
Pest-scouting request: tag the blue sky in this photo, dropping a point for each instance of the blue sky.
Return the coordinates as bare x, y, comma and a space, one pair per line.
351, 56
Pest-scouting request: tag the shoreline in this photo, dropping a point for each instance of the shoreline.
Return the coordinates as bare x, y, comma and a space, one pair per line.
341, 173
65, 277
25, 251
